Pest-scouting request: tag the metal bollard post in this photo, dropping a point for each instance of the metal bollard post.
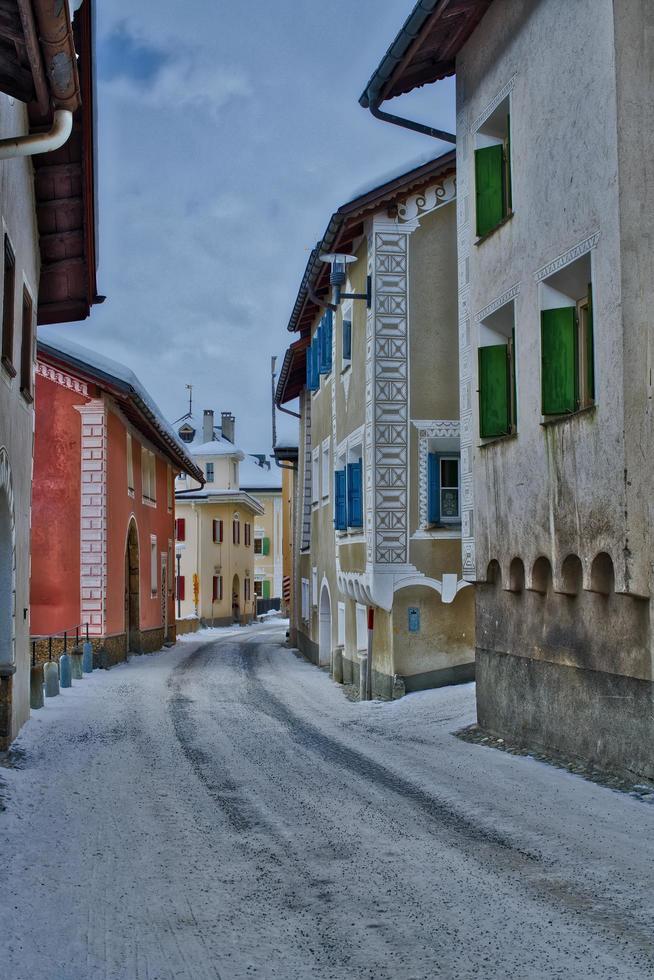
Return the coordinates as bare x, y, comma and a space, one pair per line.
65, 671
87, 653
76, 662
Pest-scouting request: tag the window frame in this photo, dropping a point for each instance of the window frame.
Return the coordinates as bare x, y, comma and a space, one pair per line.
8, 308
440, 458
154, 567
209, 466
27, 347
129, 453
486, 139
325, 470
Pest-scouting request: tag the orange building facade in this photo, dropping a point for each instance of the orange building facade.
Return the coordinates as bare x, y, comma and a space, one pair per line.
103, 506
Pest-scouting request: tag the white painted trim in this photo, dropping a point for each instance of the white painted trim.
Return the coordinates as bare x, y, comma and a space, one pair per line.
93, 515
493, 104
566, 258
498, 303
61, 378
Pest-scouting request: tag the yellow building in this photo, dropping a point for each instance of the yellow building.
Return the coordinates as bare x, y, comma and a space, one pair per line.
262, 479
215, 528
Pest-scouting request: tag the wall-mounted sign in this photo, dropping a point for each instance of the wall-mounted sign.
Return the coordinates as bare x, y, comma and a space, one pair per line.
414, 619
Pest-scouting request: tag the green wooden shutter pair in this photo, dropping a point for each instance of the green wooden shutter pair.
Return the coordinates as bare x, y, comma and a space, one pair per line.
494, 391
559, 361
266, 589
489, 187
265, 546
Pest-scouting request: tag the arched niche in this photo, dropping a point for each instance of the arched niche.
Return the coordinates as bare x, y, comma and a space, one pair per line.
516, 575
571, 581
494, 573
602, 575
541, 576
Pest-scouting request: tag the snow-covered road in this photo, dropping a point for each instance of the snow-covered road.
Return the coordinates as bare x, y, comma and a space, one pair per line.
221, 810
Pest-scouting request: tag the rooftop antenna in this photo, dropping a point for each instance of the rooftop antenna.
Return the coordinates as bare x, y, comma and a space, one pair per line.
273, 375
189, 414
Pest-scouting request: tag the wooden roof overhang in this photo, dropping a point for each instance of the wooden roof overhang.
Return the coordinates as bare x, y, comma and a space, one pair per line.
142, 416
292, 376
425, 48
65, 199
346, 226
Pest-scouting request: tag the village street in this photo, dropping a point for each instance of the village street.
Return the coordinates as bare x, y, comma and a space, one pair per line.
222, 810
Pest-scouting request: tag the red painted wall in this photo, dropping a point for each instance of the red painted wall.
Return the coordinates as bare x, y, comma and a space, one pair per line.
56, 488
121, 507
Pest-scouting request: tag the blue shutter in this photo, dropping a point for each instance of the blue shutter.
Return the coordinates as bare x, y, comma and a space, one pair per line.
354, 495
347, 340
340, 504
434, 490
325, 331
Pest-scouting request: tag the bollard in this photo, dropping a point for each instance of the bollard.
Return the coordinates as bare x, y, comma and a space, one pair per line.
65, 671
36, 686
87, 657
51, 679
76, 663
337, 665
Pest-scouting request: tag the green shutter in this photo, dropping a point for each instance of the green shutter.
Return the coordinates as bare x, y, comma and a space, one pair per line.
559, 361
507, 166
265, 546
489, 167
266, 589
590, 346
494, 391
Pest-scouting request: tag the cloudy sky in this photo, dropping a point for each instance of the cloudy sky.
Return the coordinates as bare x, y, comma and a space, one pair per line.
228, 132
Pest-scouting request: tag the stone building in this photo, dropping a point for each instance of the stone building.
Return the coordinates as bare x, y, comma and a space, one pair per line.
103, 507
556, 285
47, 207
215, 528
378, 492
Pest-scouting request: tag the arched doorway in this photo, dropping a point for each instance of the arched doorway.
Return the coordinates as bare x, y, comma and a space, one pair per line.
7, 565
132, 591
325, 627
236, 599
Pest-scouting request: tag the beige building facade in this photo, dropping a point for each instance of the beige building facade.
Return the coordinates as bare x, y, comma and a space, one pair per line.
556, 286
260, 477
378, 491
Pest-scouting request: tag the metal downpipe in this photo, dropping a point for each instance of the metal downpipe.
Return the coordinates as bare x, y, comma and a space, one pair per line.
33, 143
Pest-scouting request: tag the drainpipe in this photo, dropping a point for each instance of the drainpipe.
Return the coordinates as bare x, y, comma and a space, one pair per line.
32, 143
416, 127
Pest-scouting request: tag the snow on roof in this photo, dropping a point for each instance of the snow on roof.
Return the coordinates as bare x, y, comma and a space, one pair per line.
112, 370
239, 496
251, 476
388, 176
217, 447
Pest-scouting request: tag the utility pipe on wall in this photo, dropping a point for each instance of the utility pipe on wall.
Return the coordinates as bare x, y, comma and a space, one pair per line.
33, 143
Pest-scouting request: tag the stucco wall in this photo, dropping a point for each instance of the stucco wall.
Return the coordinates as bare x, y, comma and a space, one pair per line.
16, 414
55, 581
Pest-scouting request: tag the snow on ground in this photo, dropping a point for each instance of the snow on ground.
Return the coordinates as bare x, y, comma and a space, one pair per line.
222, 810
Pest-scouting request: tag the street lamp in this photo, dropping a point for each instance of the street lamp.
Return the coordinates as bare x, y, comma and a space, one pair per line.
339, 262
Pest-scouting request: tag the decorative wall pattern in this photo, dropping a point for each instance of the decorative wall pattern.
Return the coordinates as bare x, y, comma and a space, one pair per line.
93, 534
61, 378
567, 257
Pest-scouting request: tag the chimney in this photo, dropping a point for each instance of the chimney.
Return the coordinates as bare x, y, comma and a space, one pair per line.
207, 425
227, 425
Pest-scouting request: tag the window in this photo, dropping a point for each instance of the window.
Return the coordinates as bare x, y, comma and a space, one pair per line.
154, 577
234, 474
258, 587
355, 491
246, 589
340, 494
27, 349
567, 342
247, 534
326, 467
209, 472
217, 593
180, 529
181, 587
258, 546
130, 465
217, 531
315, 476
169, 488
314, 586
305, 600
444, 489
493, 171
187, 433
313, 361
8, 310
149, 474
497, 374
236, 531
362, 627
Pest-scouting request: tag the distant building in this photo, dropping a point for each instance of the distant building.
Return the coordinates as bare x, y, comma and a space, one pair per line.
554, 155
260, 476
215, 529
103, 506
287, 458
47, 205
378, 494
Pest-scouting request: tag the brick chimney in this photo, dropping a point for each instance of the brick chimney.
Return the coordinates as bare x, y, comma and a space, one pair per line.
207, 425
227, 425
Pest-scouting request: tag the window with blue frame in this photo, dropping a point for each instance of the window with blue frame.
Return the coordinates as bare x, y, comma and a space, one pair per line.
325, 333
346, 336
355, 494
444, 489
312, 357
209, 472
340, 500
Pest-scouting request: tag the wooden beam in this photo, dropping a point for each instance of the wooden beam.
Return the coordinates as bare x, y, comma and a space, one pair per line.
15, 80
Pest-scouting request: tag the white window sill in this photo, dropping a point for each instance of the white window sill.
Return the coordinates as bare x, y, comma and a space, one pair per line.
149, 503
351, 537
347, 366
130, 492
437, 533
